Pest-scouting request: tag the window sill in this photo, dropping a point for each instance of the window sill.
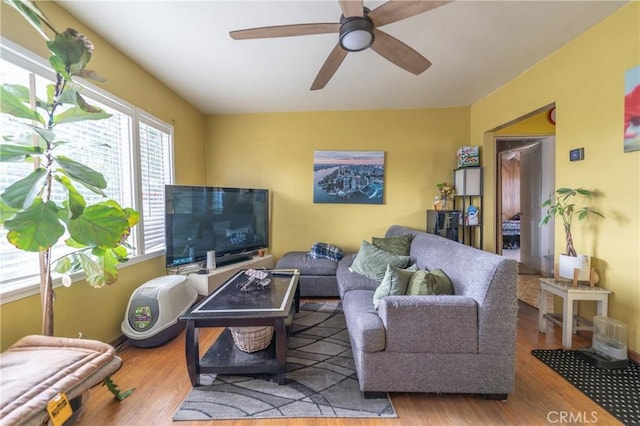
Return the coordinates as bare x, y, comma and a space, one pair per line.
12, 292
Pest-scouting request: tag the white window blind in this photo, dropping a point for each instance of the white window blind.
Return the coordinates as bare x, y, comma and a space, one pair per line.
132, 149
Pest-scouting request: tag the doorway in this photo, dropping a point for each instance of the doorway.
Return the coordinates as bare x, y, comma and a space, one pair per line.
526, 175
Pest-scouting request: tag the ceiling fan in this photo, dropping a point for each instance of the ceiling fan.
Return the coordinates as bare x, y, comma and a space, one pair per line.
358, 30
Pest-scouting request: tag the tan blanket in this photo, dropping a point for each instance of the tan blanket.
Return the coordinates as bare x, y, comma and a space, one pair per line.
36, 368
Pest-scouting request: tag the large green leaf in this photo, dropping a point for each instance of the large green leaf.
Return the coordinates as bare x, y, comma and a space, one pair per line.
59, 66
31, 13
109, 265
85, 106
73, 114
6, 212
68, 96
11, 104
90, 75
17, 153
80, 172
92, 270
75, 201
72, 48
100, 225
22, 193
36, 228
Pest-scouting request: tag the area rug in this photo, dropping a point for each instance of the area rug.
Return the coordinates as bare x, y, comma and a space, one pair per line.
321, 380
528, 291
617, 391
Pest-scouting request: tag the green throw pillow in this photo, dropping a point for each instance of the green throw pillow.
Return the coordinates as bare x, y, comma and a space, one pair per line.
399, 245
372, 262
394, 283
431, 283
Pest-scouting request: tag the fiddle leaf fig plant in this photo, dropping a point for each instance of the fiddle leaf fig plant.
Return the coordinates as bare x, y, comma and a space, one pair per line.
35, 219
563, 206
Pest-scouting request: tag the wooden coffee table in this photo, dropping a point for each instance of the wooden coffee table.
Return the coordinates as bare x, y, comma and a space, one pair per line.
228, 306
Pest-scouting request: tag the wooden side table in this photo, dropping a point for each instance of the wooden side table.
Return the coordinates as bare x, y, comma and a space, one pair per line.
570, 295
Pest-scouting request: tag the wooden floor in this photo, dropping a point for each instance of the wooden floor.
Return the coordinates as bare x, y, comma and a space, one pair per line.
541, 396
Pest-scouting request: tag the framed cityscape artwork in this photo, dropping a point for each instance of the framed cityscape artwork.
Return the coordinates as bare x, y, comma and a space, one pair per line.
348, 177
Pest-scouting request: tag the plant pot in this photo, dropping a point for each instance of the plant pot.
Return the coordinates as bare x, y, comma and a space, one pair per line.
567, 264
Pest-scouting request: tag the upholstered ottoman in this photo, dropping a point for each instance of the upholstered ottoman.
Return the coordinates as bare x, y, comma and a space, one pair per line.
37, 368
317, 276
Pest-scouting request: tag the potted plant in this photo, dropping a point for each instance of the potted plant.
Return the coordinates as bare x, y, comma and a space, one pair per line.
563, 206
446, 191
35, 220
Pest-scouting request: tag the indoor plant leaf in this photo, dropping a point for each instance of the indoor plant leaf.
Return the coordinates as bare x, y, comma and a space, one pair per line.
73, 114
80, 172
72, 48
23, 192
11, 104
32, 14
6, 212
100, 225
17, 152
90, 75
75, 202
35, 228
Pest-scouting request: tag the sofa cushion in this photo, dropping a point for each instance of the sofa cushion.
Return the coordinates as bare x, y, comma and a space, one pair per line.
349, 280
365, 326
400, 244
429, 283
394, 283
306, 264
372, 261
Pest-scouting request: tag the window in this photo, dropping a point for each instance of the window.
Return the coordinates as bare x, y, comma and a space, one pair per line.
132, 149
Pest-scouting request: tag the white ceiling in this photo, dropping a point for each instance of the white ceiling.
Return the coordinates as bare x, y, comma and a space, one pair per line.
475, 47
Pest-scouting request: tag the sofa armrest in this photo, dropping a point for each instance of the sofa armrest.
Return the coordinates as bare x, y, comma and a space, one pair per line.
428, 323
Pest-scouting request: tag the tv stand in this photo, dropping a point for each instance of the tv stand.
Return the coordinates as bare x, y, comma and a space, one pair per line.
233, 258
206, 284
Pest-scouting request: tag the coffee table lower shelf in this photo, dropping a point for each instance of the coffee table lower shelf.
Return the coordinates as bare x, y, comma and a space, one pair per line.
224, 357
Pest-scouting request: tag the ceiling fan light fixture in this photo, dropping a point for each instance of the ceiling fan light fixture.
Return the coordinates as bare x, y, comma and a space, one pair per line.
356, 34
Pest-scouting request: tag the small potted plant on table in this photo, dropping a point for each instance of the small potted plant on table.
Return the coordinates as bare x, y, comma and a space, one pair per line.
563, 206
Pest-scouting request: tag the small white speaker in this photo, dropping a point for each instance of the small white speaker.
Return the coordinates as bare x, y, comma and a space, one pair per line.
211, 260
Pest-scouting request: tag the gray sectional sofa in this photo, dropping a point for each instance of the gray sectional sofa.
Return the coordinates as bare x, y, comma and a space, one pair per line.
461, 343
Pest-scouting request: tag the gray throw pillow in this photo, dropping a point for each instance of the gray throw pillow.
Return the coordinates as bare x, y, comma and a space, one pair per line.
372, 262
400, 244
394, 283
432, 283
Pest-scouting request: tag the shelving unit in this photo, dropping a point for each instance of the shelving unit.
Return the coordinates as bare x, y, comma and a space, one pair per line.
443, 223
468, 184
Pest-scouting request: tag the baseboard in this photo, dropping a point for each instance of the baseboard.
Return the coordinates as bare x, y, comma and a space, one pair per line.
119, 341
635, 356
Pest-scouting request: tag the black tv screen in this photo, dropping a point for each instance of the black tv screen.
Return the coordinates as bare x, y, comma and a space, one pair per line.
232, 221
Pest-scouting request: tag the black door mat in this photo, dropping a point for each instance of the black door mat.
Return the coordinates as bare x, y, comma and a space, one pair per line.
617, 391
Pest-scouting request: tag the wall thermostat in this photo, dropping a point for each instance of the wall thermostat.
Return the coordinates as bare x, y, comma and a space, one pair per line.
576, 154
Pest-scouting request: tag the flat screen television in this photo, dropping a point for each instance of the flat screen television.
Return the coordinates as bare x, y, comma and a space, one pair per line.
232, 221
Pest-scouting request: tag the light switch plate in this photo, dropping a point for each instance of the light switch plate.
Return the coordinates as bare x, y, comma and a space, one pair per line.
576, 154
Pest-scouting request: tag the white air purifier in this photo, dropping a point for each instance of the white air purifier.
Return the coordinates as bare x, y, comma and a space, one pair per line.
152, 316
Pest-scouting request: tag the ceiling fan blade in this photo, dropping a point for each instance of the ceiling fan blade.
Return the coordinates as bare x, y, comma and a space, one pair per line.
396, 10
399, 53
329, 67
285, 31
352, 8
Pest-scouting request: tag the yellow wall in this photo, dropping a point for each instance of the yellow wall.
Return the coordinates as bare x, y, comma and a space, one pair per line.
537, 124
585, 79
276, 151
97, 313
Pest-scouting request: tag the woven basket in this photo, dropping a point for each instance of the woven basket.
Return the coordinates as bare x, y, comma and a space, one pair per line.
251, 339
